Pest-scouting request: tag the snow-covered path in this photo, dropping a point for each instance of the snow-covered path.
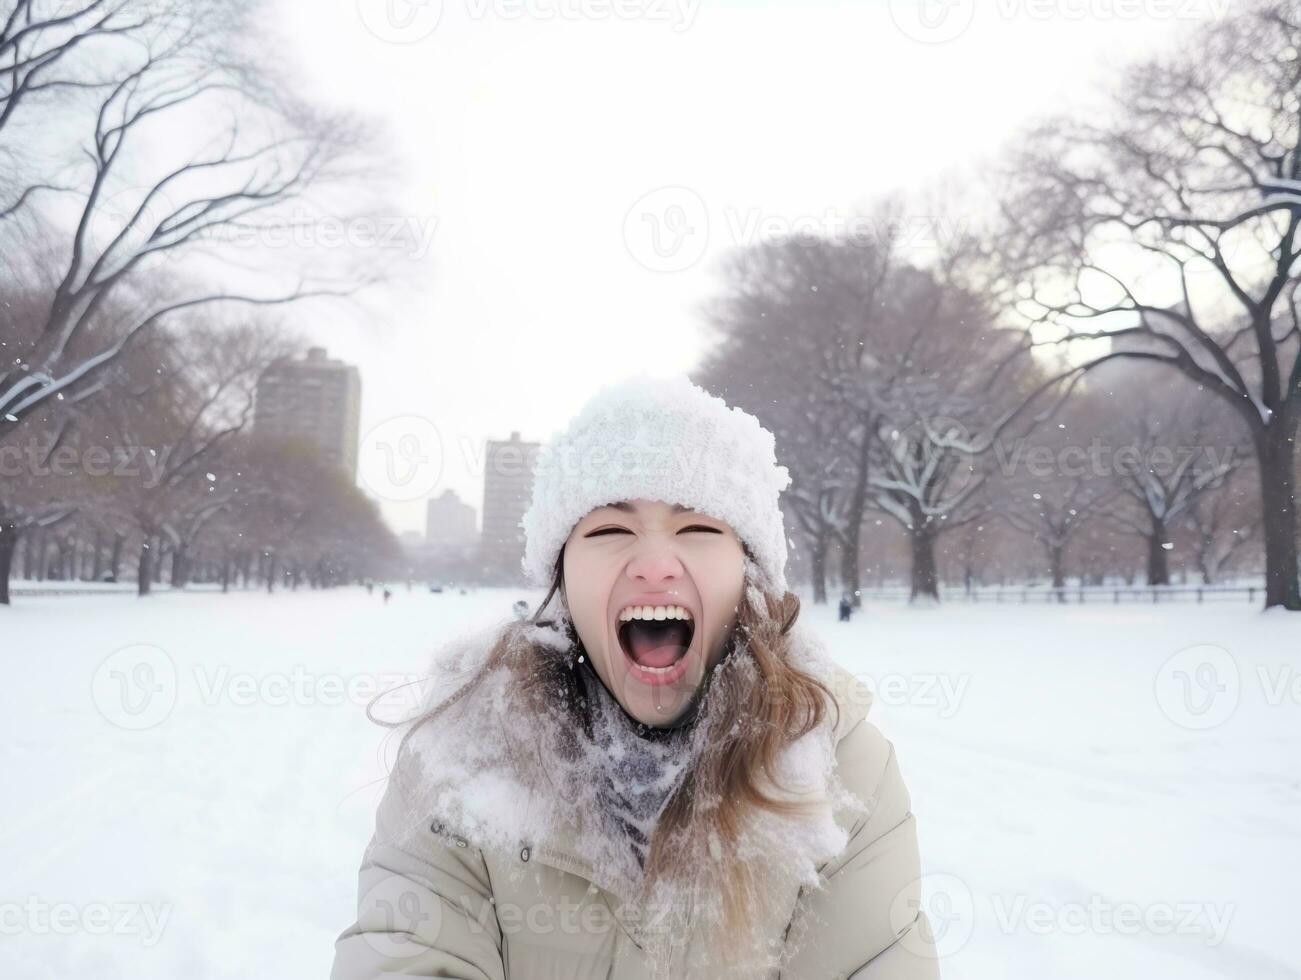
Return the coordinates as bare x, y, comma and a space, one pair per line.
1087, 806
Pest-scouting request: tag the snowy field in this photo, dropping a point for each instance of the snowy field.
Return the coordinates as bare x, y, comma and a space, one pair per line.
189, 780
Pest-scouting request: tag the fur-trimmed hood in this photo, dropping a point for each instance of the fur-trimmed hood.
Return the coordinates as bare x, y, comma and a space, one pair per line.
494, 771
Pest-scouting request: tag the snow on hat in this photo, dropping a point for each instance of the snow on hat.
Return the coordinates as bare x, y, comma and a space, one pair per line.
659, 439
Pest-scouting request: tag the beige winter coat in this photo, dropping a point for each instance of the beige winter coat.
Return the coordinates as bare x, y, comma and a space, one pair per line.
445, 908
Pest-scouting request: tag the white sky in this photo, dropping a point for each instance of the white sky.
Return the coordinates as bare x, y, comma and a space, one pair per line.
529, 139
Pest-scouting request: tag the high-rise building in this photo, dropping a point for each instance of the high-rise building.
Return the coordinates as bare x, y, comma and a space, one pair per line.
315, 399
449, 524
507, 489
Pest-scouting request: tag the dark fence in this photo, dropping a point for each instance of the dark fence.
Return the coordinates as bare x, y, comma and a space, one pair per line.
1094, 593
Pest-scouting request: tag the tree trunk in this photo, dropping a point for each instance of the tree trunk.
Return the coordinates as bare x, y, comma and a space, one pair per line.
36, 548
1056, 563
925, 581
115, 557
29, 551
1158, 563
97, 560
1277, 452
854, 516
8, 540
818, 569
180, 566
144, 577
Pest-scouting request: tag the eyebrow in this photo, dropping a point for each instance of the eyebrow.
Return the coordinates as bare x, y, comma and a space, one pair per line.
628, 508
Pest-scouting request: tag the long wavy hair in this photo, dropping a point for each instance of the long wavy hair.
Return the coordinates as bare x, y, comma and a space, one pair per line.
759, 708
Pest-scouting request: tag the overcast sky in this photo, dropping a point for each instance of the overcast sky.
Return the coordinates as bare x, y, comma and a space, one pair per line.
577, 167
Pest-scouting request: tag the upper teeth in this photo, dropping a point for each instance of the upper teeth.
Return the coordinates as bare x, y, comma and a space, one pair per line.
654, 612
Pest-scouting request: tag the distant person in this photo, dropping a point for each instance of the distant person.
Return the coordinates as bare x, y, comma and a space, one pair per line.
846, 607
387, 596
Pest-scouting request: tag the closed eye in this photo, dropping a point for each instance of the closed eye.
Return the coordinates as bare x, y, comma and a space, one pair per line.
599, 532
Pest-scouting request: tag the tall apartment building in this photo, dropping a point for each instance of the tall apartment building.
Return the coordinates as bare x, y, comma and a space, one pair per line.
449, 524
315, 399
507, 489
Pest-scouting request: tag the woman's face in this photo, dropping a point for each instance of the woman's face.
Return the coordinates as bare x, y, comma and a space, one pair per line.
653, 590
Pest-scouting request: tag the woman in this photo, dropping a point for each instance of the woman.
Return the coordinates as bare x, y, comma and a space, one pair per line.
666, 778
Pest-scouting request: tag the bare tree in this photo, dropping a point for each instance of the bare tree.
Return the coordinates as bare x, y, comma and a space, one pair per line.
1053, 515
788, 332
260, 151
1170, 451
883, 383
182, 404
1223, 525
1171, 222
46, 50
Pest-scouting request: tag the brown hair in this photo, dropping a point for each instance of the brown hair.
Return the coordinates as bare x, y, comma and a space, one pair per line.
764, 705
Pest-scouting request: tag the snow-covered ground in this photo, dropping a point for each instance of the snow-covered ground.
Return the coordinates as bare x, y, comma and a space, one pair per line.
189, 779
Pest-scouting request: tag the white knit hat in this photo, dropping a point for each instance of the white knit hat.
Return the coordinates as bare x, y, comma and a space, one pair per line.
659, 439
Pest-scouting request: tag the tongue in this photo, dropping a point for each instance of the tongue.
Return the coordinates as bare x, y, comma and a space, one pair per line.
657, 643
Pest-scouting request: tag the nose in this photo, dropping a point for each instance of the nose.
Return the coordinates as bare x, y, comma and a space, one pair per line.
654, 563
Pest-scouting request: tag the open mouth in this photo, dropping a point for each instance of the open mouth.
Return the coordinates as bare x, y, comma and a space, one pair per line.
656, 641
